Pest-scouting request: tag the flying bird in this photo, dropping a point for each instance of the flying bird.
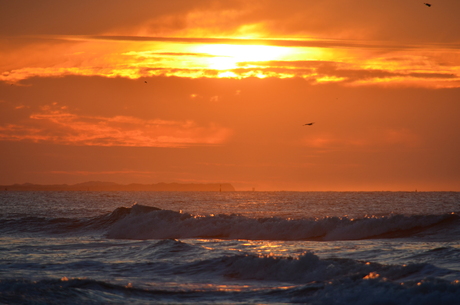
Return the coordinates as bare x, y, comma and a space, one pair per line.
427, 4
309, 124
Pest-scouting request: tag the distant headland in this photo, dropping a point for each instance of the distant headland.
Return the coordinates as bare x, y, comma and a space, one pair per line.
111, 186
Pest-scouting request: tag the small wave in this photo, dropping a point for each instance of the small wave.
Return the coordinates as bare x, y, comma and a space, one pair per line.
440, 256
144, 222
33, 224
352, 289
41, 224
308, 268
82, 291
376, 291
152, 223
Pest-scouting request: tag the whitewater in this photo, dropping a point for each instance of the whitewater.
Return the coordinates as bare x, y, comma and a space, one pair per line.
75, 247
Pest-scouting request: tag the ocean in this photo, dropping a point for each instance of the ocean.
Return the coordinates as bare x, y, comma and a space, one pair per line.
75, 247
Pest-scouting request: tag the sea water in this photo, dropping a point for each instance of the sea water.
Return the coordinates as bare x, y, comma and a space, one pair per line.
229, 247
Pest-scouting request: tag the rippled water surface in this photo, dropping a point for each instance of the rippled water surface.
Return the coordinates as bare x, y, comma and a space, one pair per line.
236, 247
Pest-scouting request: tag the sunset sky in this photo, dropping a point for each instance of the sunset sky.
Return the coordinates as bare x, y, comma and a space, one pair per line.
200, 91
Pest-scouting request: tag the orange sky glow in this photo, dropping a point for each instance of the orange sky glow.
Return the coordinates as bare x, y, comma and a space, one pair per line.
218, 91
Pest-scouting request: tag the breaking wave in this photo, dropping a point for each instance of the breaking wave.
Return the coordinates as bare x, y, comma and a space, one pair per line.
307, 278
144, 222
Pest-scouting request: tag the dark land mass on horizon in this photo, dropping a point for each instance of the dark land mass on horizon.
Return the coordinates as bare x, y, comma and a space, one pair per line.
111, 186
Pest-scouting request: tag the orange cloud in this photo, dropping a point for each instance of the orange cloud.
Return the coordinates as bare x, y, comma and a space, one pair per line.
50, 35
318, 60
94, 173
402, 137
70, 129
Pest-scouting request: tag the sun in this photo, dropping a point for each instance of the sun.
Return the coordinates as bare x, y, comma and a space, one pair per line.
227, 56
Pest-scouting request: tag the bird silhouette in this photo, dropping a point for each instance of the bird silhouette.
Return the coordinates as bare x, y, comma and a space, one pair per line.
309, 124
427, 4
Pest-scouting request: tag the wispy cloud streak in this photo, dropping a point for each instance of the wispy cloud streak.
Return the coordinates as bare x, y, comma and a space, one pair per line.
70, 129
306, 42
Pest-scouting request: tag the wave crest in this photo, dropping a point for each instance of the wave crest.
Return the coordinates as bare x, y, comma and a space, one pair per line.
152, 223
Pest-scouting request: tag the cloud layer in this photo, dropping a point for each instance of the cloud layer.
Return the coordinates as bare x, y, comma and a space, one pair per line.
374, 42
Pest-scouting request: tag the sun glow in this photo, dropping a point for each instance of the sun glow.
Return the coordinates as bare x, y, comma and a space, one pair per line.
233, 58
227, 56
